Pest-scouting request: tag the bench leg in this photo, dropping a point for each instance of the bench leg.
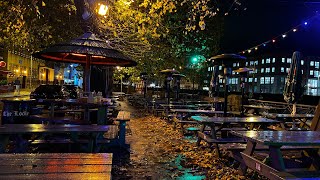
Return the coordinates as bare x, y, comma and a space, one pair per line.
201, 130
248, 151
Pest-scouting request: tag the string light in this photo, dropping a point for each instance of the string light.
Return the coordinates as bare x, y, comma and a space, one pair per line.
282, 35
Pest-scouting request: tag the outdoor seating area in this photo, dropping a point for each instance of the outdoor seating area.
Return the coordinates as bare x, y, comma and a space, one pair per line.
160, 90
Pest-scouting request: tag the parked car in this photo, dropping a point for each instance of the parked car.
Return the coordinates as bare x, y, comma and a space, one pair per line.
55, 92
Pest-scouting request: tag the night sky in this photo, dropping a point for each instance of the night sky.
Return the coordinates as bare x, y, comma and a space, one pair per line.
265, 19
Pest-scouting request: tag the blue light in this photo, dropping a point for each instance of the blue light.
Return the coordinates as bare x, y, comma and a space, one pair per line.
305, 23
264, 44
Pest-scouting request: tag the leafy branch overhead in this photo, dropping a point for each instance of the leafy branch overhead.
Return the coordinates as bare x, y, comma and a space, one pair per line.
157, 34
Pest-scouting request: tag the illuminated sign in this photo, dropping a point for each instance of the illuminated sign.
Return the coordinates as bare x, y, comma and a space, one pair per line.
3, 64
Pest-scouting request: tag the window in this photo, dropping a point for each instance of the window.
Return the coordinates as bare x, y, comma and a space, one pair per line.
282, 79
268, 60
267, 70
302, 62
220, 67
273, 69
272, 80
273, 60
287, 70
316, 73
238, 64
311, 63
251, 63
262, 80
311, 72
283, 60
233, 73
256, 62
250, 80
234, 64
267, 80
255, 79
246, 63
288, 60
302, 71
316, 64
282, 69
262, 70
262, 62
209, 68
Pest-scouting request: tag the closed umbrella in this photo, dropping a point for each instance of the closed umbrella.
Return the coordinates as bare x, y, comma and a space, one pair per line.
226, 60
293, 88
88, 50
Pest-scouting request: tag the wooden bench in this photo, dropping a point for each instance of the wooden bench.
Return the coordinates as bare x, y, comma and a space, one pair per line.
56, 166
122, 118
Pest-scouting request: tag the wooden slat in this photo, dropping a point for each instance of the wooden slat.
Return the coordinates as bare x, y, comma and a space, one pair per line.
55, 176
56, 165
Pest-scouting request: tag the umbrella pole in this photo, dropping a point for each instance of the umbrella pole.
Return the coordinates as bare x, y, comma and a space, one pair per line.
87, 74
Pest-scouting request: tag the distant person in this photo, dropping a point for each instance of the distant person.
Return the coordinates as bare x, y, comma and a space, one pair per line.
17, 84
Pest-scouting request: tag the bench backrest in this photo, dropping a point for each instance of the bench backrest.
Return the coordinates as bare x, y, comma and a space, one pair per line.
315, 123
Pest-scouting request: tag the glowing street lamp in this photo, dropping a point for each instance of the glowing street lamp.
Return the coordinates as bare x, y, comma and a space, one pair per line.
102, 9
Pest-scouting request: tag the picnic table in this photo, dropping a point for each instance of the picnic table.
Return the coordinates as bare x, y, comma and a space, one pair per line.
101, 108
291, 118
56, 166
261, 109
71, 132
280, 167
224, 125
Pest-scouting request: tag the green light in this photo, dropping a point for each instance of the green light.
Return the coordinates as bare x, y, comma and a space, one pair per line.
194, 60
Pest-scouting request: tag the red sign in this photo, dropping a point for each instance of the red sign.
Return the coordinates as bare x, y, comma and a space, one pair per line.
3, 64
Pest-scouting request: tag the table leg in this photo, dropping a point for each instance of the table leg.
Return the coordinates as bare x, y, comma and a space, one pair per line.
201, 130
248, 151
4, 140
275, 155
122, 132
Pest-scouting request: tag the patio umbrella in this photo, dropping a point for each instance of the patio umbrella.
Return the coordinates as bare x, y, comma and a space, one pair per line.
177, 83
293, 88
168, 73
243, 72
226, 60
88, 50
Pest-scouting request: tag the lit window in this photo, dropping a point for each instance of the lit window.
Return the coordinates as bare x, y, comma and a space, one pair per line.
302, 62
311, 72
262, 70
238, 64
246, 63
267, 70
272, 80
267, 80
288, 60
255, 79
250, 80
256, 62
273, 60
287, 70
268, 60
220, 67
233, 72
220, 81
273, 69
302, 71
262, 80
209, 68
316, 73
316, 64
262, 62
283, 60
234, 64
282, 69
311, 63
251, 63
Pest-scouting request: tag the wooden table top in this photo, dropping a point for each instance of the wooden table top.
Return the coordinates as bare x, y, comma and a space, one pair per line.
178, 105
56, 166
279, 138
52, 128
197, 111
205, 119
274, 115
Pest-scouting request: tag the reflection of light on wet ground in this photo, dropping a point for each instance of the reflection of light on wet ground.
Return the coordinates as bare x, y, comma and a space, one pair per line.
186, 173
